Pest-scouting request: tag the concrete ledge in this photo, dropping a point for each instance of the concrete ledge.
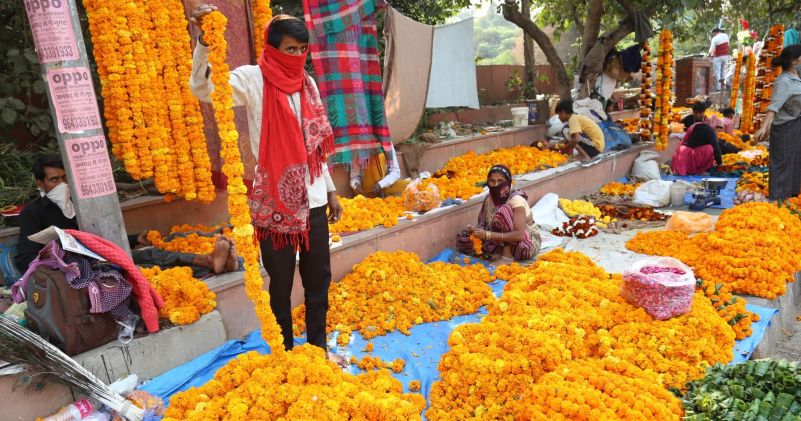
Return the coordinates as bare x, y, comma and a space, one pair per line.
156, 353
788, 305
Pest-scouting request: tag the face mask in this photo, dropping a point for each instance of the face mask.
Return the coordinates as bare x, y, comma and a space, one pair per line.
500, 193
60, 195
798, 68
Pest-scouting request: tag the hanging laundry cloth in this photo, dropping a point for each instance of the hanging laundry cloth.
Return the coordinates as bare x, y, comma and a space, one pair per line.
344, 52
453, 67
407, 66
631, 58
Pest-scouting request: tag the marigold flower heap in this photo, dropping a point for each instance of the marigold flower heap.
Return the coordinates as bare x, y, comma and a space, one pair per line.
394, 291
754, 181
362, 213
222, 100
307, 386
753, 249
616, 188
185, 298
664, 88
189, 239
565, 309
468, 171
143, 56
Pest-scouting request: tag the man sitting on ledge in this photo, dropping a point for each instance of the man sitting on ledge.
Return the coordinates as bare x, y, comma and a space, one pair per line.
55, 208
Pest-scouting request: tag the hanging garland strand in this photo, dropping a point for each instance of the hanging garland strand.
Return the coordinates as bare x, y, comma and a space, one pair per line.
646, 99
262, 14
747, 122
214, 33
735, 85
664, 87
766, 74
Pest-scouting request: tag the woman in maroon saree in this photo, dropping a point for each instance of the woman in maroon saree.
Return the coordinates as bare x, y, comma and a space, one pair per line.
505, 224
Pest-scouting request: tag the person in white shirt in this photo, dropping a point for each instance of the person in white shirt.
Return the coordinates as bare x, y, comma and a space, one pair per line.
719, 51
291, 137
379, 176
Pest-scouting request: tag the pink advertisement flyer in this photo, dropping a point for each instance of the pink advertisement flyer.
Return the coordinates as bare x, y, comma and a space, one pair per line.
52, 30
91, 166
73, 97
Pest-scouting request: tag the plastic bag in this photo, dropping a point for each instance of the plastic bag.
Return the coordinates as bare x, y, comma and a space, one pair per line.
654, 193
554, 127
646, 166
690, 222
421, 196
663, 286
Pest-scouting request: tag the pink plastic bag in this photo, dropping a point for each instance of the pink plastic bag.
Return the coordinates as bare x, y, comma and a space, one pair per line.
663, 286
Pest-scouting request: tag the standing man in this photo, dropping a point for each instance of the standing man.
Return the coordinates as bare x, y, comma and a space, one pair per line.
719, 51
291, 138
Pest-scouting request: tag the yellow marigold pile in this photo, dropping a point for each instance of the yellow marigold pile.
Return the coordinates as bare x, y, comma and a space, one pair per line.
729, 307
563, 309
616, 188
456, 188
582, 207
394, 291
190, 241
144, 61
754, 181
363, 213
754, 249
598, 389
472, 167
368, 363
301, 384
185, 298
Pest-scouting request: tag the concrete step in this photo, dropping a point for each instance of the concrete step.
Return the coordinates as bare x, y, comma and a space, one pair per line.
156, 353
788, 306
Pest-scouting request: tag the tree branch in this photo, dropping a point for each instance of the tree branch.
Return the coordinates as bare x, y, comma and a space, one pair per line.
627, 7
592, 26
593, 61
512, 13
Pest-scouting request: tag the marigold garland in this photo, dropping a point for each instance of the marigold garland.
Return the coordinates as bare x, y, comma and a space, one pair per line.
185, 298
477, 244
646, 125
363, 213
143, 56
738, 75
766, 73
565, 308
262, 14
238, 208
664, 88
394, 291
304, 387
747, 119
753, 249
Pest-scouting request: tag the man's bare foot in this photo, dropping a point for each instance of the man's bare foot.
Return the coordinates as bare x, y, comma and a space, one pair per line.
337, 359
232, 263
219, 257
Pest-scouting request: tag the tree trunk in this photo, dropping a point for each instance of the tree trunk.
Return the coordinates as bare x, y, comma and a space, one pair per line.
530, 90
513, 14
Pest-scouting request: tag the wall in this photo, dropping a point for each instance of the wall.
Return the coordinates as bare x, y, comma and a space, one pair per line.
491, 81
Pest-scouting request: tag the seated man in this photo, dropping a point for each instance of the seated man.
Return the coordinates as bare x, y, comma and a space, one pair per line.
55, 208
506, 225
698, 115
379, 176
582, 133
698, 152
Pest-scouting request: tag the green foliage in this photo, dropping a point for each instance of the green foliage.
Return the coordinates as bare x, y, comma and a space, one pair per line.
23, 105
495, 39
430, 12
754, 390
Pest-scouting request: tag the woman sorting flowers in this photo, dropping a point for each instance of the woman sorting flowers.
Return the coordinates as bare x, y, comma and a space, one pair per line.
291, 138
505, 224
783, 126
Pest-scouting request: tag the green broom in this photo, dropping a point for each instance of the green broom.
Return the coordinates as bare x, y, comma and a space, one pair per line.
36, 357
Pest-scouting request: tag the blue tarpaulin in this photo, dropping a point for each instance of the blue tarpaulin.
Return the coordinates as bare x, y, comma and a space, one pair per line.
421, 350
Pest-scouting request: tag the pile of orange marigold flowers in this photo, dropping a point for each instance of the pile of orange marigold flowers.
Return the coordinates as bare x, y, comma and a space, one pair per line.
616, 188
363, 213
754, 249
185, 298
562, 343
301, 384
394, 291
189, 238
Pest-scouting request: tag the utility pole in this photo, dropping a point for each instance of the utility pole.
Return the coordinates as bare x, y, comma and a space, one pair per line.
73, 107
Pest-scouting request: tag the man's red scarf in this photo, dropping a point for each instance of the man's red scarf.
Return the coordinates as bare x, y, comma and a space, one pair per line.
288, 151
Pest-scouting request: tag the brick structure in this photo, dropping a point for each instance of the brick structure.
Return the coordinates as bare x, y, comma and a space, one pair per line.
693, 78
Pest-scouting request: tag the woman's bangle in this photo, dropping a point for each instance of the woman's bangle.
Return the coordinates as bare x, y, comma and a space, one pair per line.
486, 235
